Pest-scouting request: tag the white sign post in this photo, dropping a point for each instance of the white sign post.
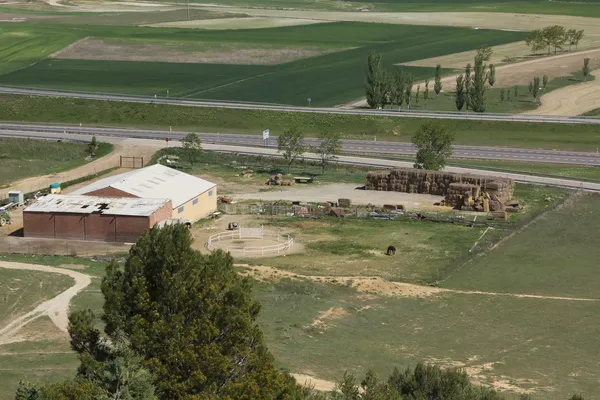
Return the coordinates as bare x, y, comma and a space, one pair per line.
266, 137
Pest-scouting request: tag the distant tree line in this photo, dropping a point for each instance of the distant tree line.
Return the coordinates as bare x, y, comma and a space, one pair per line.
553, 37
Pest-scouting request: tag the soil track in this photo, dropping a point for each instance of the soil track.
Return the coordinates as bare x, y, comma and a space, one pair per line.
572, 100
379, 286
56, 308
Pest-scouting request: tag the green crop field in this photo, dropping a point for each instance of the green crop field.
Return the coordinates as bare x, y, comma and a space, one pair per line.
23, 48
22, 158
327, 79
201, 119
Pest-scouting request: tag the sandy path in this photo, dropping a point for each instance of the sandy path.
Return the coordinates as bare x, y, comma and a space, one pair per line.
377, 285
318, 384
521, 73
571, 100
56, 308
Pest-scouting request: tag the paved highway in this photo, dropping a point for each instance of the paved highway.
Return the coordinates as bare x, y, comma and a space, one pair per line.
348, 146
352, 160
273, 107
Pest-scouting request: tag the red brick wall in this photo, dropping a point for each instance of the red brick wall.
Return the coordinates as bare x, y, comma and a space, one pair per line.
69, 226
161, 214
100, 227
38, 224
109, 192
130, 228
108, 228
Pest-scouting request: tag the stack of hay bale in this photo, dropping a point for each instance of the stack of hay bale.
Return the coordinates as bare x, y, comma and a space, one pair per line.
462, 191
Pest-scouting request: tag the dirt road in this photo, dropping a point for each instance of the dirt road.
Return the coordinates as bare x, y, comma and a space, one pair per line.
332, 192
56, 308
572, 100
123, 147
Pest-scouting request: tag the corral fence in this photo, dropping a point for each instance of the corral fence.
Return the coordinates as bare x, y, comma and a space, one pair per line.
284, 242
131, 162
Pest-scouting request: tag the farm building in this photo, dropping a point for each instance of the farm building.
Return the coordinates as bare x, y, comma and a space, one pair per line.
93, 218
192, 197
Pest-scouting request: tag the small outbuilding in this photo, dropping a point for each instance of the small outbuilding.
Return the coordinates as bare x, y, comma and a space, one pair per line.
192, 197
93, 218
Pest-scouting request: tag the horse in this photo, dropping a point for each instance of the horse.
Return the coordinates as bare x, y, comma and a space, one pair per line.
391, 250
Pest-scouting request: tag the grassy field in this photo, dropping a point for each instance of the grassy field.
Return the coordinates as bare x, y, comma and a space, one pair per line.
327, 79
200, 119
523, 102
555, 256
21, 291
22, 158
549, 347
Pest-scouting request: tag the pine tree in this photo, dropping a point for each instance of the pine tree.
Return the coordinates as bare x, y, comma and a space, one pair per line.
191, 317
426, 93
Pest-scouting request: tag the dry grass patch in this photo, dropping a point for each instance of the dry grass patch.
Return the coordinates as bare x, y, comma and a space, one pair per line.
180, 52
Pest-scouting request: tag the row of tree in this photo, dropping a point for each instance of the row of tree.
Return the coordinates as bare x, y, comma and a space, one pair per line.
394, 88
472, 85
179, 324
553, 37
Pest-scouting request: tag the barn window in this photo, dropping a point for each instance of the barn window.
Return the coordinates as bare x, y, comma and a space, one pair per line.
195, 201
180, 210
210, 192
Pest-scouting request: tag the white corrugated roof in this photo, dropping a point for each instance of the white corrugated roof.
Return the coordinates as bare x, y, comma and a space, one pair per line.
56, 203
156, 181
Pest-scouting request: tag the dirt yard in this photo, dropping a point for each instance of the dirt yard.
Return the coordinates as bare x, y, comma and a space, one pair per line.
178, 52
333, 192
238, 23
572, 100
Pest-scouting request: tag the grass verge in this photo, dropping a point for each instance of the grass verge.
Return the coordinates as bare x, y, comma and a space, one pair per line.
200, 119
23, 158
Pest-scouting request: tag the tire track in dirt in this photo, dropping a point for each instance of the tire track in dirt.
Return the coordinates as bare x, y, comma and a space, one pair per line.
56, 308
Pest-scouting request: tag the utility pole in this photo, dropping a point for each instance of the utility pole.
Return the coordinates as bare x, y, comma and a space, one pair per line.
188, 10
